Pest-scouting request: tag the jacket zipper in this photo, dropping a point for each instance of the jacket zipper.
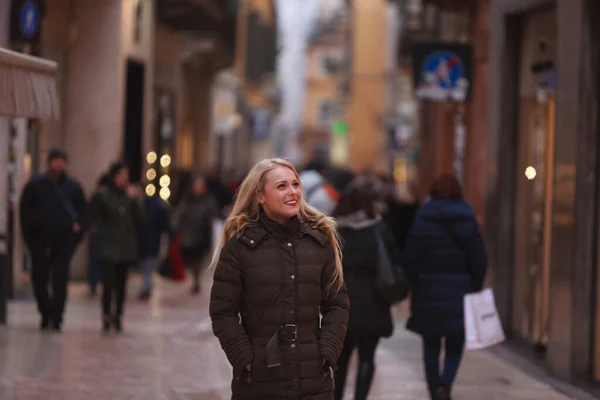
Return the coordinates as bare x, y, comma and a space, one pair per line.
296, 312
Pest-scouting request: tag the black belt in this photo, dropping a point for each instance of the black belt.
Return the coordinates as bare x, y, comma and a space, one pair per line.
287, 333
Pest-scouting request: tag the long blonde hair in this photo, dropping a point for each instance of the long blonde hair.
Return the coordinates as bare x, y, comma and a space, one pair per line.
246, 209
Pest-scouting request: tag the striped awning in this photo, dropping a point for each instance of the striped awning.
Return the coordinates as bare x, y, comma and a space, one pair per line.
27, 86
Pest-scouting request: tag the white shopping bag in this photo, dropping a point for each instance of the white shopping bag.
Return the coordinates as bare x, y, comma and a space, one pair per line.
217, 231
482, 323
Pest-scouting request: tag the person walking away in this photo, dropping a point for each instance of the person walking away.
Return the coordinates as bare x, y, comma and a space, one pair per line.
94, 273
118, 211
278, 266
444, 260
150, 231
51, 208
401, 212
370, 317
193, 222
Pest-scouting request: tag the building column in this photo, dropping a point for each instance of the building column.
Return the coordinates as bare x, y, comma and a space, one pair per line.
93, 113
564, 228
93, 110
368, 143
477, 113
4, 152
587, 204
437, 143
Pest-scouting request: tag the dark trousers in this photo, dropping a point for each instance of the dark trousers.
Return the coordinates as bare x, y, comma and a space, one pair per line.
50, 266
432, 346
366, 346
114, 284
95, 274
193, 258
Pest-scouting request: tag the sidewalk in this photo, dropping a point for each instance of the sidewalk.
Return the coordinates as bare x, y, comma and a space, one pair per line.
168, 352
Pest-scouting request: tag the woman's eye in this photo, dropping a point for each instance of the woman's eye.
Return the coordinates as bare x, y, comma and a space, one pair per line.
296, 184
281, 186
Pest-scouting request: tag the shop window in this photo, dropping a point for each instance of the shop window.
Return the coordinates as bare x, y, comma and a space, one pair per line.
326, 113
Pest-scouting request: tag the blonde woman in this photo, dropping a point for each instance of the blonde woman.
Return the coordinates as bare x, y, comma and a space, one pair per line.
278, 267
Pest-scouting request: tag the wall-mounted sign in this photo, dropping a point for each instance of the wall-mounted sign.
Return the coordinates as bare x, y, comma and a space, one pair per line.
26, 21
442, 71
261, 124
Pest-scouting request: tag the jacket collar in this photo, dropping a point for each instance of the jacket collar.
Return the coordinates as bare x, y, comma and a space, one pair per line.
255, 233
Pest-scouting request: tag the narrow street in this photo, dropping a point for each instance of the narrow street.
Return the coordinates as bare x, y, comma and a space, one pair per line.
168, 352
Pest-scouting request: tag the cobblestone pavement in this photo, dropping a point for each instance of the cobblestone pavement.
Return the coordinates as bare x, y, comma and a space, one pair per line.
168, 353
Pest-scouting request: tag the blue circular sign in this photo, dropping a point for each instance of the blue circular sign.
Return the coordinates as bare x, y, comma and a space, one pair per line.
445, 69
30, 19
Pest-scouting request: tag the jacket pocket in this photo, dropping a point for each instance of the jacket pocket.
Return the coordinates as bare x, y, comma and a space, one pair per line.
311, 365
242, 384
260, 371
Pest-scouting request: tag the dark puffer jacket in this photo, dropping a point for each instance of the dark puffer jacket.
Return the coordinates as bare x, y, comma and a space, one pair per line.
370, 315
116, 218
442, 270
276, 276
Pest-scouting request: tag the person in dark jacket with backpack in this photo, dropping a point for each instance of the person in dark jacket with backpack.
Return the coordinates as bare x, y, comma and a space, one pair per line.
445, 259
360, 229
51, 208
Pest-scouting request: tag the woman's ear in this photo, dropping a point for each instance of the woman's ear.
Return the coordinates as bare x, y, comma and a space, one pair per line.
260, 197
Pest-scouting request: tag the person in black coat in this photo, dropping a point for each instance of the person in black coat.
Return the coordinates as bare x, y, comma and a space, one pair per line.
370, 317
150, 231
444, 260
51, 209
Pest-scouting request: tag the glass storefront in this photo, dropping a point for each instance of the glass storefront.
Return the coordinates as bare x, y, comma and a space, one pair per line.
534, 180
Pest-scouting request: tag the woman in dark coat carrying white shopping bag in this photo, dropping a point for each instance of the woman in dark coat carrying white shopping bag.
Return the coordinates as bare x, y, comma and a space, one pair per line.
444, 261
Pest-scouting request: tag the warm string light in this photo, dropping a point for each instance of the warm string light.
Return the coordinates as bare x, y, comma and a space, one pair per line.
530, 173
151, 157
150, 190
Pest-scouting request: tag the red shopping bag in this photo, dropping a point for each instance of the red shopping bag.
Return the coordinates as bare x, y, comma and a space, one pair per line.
176, 262
172, 267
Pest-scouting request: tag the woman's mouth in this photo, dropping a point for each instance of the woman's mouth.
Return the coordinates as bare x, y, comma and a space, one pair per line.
292, 203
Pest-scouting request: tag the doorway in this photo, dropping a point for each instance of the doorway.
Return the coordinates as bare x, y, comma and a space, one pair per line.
534, 181
134, 118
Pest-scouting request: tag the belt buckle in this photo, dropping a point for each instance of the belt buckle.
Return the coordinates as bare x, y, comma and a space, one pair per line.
294, 335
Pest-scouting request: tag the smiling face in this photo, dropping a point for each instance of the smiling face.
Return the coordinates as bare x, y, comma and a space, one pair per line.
281, 195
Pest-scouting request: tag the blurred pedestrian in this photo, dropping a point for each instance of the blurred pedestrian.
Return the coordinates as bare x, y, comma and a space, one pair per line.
216, 185
361, 229
278, 265
317, 191
95, 273
51, 208
401, 213
444, 260
193, 222
117, 211
155, 225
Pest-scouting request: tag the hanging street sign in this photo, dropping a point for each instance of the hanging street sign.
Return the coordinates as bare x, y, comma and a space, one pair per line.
26, 21
442, 71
